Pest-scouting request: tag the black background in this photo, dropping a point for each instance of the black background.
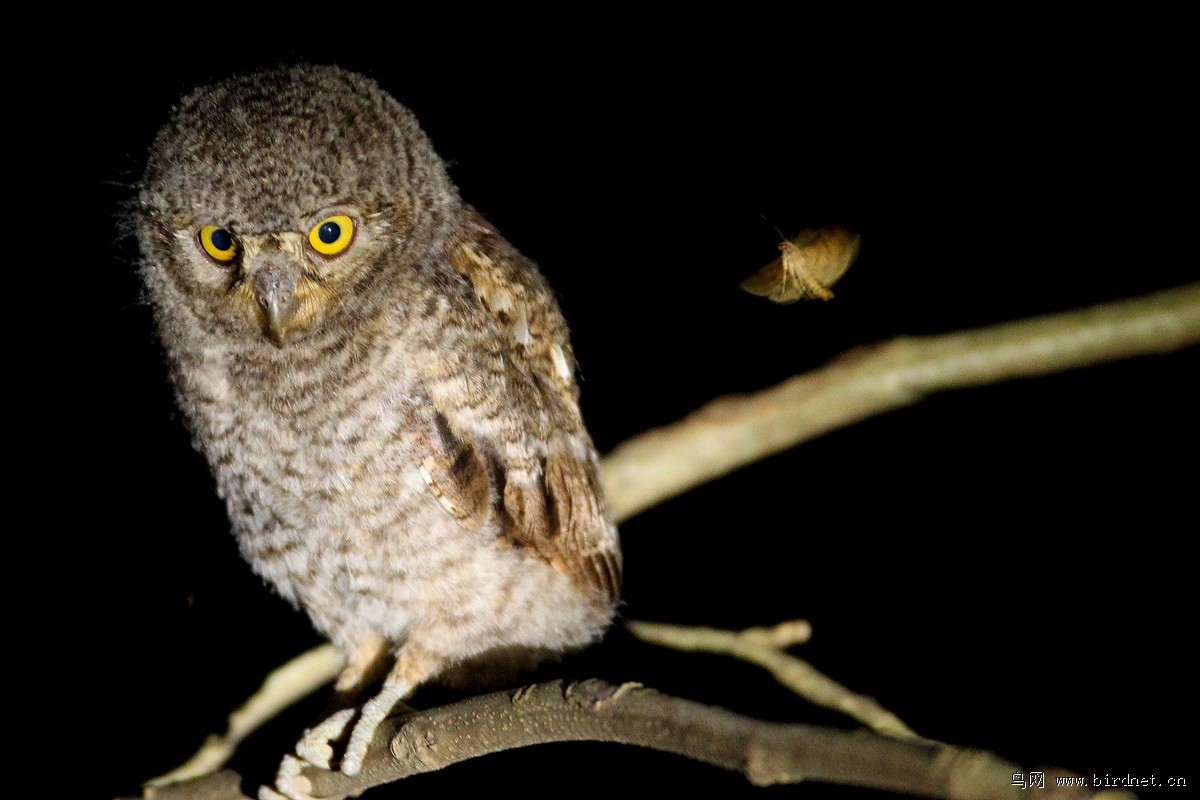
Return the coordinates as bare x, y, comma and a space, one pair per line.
1002, 567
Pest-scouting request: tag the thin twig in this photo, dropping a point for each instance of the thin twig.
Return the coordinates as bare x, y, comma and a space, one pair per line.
286, 685
765, 647
731, 432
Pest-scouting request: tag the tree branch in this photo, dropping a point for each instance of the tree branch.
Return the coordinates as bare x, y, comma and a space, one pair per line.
766, 753
730, 432
765, 647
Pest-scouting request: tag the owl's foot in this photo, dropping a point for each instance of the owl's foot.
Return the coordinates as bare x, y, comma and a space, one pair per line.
373, 713
289, 783
414, 665
314, 749
315, 746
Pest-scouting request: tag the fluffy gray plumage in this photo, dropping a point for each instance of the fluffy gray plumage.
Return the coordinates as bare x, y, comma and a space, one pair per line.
393, 426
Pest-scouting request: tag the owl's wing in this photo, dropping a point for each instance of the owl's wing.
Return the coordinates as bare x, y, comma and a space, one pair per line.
515, 444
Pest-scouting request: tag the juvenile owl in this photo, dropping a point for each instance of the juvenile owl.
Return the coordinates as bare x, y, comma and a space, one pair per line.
382, 385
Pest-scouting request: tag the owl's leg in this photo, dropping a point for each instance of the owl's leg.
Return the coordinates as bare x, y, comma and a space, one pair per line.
314, 749
366, 666
414, 666
362, 665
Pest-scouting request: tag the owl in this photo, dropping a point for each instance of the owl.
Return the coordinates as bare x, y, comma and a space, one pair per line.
382, 385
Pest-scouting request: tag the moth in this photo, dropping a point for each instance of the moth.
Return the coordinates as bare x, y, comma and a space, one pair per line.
808, 265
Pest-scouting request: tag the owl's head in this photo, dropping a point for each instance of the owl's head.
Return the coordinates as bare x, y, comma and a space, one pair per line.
276, 203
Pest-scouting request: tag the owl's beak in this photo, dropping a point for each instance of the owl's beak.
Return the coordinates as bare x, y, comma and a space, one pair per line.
275, 290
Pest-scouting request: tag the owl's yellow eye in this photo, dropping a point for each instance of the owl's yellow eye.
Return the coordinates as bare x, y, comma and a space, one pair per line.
218, 243
331, 235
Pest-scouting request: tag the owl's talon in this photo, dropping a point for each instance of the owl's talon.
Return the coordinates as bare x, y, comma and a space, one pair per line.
289, 783
314, 746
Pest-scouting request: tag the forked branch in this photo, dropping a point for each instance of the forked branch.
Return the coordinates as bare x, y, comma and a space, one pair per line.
766, 647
